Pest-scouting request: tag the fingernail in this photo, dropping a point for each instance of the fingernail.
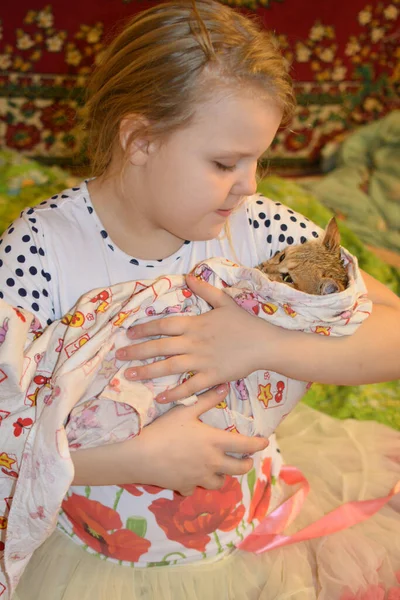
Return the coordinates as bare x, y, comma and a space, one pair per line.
131, 333
131, 373
161, 398
121, 353
222, 389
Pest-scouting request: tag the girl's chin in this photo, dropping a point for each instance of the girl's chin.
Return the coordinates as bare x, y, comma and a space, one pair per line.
207, 234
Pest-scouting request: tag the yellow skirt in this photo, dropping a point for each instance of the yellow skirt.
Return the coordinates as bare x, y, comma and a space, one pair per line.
342, 460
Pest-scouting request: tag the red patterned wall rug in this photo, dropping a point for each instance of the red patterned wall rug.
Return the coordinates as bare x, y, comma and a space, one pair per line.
345, 57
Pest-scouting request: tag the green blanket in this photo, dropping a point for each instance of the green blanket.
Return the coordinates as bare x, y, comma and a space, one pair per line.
25, 183
364, 188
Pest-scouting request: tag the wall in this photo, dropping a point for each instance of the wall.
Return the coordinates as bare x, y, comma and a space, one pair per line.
346, 63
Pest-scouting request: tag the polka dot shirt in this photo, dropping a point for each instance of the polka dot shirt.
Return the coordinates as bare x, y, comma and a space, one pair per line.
24, 272
59, 250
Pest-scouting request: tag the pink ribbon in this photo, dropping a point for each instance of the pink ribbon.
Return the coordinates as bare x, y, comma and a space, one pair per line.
268, 534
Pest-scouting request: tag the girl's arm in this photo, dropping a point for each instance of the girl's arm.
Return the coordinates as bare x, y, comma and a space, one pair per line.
176, 451
228, 343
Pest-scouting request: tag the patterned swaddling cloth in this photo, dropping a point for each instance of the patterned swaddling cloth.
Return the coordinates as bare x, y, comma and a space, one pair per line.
63, 388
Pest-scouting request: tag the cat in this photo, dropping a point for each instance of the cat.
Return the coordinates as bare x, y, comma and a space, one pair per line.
314, 267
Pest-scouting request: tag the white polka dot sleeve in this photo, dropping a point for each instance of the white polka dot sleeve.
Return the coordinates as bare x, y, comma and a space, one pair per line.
25, 279
274, 226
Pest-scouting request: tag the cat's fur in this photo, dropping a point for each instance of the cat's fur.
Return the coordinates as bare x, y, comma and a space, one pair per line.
314, 267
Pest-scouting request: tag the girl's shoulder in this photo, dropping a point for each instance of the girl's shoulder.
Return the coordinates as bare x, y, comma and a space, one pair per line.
51, 214
70, 200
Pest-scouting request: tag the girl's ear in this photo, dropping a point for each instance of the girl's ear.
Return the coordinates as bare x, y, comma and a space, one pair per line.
332, 236
134, 139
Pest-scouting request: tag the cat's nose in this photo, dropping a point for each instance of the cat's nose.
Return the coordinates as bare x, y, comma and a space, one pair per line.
266, 267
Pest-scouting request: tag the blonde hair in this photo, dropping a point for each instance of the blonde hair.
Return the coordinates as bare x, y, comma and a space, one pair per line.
159, 67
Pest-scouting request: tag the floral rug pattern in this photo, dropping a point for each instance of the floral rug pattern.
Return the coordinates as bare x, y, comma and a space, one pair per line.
346, 65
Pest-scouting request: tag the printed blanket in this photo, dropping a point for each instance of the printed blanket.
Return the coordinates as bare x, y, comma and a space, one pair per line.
63, 389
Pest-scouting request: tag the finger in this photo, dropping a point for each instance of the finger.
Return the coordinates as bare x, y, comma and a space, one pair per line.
174, 365
212, 295
241, 444
191, 386
186, 491
215, 482
152, 349
169, 325
206, 401
236, 466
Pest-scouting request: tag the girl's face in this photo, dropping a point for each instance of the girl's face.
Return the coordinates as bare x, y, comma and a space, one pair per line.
193, 180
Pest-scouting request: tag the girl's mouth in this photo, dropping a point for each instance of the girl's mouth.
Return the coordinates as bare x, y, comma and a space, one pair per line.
224, 213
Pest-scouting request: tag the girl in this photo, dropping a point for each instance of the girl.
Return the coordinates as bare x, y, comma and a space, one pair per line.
185, 102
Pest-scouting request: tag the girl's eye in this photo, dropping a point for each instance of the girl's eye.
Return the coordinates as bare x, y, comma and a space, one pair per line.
222, 167
282, 257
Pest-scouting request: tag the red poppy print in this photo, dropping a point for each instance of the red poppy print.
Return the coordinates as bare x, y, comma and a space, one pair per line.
190, 520
135, 491
92, 523
262, 494
372, 592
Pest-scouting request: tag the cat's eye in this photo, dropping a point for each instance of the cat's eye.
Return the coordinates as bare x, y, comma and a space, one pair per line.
286, 278
282, 257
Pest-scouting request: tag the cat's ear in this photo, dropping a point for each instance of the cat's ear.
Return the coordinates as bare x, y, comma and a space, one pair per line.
332, 236
328, 286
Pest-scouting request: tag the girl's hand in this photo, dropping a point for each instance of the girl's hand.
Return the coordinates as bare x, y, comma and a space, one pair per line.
179, 452
221, 345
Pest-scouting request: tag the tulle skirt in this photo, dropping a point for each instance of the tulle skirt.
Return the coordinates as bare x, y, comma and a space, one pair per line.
342, 460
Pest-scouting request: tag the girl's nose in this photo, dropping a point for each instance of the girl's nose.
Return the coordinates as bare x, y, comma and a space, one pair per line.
247, 183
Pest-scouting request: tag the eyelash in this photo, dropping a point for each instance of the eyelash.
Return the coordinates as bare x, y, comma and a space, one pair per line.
223, 167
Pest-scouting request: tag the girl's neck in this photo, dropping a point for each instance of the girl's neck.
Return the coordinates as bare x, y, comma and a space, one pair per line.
125, 225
